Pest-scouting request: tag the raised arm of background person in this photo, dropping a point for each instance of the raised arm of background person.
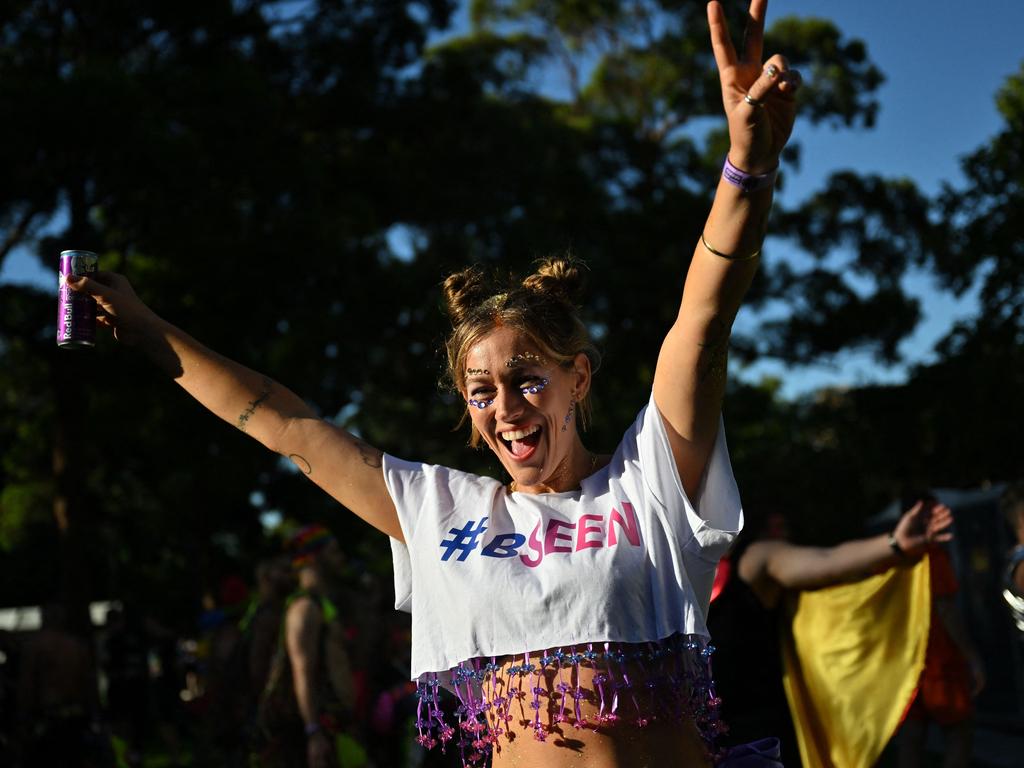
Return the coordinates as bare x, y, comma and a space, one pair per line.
689, 381
345, 467
303, 625
770, 567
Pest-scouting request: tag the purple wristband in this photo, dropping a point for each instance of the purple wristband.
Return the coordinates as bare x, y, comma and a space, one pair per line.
312, 728
748, 182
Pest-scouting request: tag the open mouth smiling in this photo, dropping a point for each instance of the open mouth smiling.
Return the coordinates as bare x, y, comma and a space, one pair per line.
521, 443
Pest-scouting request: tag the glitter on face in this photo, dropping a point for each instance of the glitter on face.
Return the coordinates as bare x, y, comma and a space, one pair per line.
533, 389
523, 358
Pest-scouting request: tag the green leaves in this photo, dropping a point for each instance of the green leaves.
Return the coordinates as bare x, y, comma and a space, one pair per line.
249, 168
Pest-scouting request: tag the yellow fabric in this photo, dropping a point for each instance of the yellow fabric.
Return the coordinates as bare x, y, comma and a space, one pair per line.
852, 657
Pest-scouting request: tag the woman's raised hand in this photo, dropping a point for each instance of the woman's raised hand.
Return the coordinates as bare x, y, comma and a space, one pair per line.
759, 98
117, 306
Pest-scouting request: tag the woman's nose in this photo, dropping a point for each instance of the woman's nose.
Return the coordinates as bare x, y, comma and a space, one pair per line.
508, 403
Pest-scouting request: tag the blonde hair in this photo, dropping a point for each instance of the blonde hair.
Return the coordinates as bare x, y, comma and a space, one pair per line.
543, 307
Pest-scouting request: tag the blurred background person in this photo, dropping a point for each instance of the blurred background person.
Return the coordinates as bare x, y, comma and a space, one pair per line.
262, 623
1012, 506
953, 674
234, 719
307, 705
128, 694
224, 670
750, 612
58, 698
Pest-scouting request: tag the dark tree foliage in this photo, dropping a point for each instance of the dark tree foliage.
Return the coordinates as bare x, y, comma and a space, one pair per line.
251, 166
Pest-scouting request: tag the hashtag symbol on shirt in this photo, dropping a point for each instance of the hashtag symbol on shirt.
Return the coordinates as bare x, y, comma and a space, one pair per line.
463, 539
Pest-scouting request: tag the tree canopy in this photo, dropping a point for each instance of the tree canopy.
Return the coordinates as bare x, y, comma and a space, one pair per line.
291, 182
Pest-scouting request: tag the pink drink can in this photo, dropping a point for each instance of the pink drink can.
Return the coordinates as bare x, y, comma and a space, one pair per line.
76, 312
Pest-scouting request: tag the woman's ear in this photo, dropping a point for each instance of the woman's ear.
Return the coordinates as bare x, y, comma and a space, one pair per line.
581, 376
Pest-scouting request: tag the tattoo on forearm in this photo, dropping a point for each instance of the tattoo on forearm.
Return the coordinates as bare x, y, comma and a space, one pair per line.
304, 466
243, 419
371, 456
713, 362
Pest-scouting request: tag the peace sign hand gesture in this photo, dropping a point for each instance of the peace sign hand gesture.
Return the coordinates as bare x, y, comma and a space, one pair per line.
759, 100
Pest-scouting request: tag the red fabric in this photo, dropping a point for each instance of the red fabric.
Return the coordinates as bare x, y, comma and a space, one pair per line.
722, 575
943, 577
944, 692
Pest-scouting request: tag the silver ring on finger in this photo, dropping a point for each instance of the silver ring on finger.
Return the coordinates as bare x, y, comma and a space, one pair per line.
772, 71
752, 101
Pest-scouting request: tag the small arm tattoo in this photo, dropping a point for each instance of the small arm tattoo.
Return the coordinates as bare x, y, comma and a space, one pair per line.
304, 466
371, 456
714, 353
243, 419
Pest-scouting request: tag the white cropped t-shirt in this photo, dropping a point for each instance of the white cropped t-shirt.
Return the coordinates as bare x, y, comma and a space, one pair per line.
627, 558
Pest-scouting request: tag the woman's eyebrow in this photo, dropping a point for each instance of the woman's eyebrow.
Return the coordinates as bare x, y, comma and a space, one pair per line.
524, 358
477, 372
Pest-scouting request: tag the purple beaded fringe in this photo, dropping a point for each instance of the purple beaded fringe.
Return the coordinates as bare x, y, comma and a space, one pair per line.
634, 683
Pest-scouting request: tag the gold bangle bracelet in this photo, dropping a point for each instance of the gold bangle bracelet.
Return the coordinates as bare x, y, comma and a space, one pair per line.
726, 256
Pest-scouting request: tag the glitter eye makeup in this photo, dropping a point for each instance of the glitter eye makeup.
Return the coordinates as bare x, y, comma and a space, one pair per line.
533, 389
477, 372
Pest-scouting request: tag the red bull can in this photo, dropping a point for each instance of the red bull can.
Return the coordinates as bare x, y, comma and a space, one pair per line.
76, 312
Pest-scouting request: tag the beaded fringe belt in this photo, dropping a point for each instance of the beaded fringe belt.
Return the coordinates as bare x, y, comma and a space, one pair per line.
632, 684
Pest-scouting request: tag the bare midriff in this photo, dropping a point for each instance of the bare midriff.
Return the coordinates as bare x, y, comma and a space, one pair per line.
600, 704
623, 743
645, 730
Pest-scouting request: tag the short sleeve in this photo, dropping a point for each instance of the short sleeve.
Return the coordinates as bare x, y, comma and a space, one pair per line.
408, 486
402, 565
715, 514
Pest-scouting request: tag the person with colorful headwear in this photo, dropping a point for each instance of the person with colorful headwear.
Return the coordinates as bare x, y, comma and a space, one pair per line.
309, 695
565, 608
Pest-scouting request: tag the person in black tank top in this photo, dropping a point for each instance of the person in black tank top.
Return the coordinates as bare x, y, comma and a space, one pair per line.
745, 614
748, 656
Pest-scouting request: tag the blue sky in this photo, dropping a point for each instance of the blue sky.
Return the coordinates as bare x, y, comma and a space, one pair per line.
943, 63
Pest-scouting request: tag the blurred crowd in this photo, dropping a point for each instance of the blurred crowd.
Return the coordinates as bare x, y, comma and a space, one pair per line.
305, 663
133, 692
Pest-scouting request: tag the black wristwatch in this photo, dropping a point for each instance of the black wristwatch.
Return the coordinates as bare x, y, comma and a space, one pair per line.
895, 545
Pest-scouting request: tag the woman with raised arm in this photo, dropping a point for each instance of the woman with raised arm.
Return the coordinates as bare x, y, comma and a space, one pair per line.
760, 583
565, 609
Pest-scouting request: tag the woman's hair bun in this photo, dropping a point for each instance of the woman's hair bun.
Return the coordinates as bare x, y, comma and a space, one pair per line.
561, 277
464, 291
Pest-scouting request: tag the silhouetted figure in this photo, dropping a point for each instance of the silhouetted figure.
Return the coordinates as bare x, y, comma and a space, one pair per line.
953, 674
1012, 505
58, 699
224, 671
262, 623
748, 617
249, 645
309, 697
